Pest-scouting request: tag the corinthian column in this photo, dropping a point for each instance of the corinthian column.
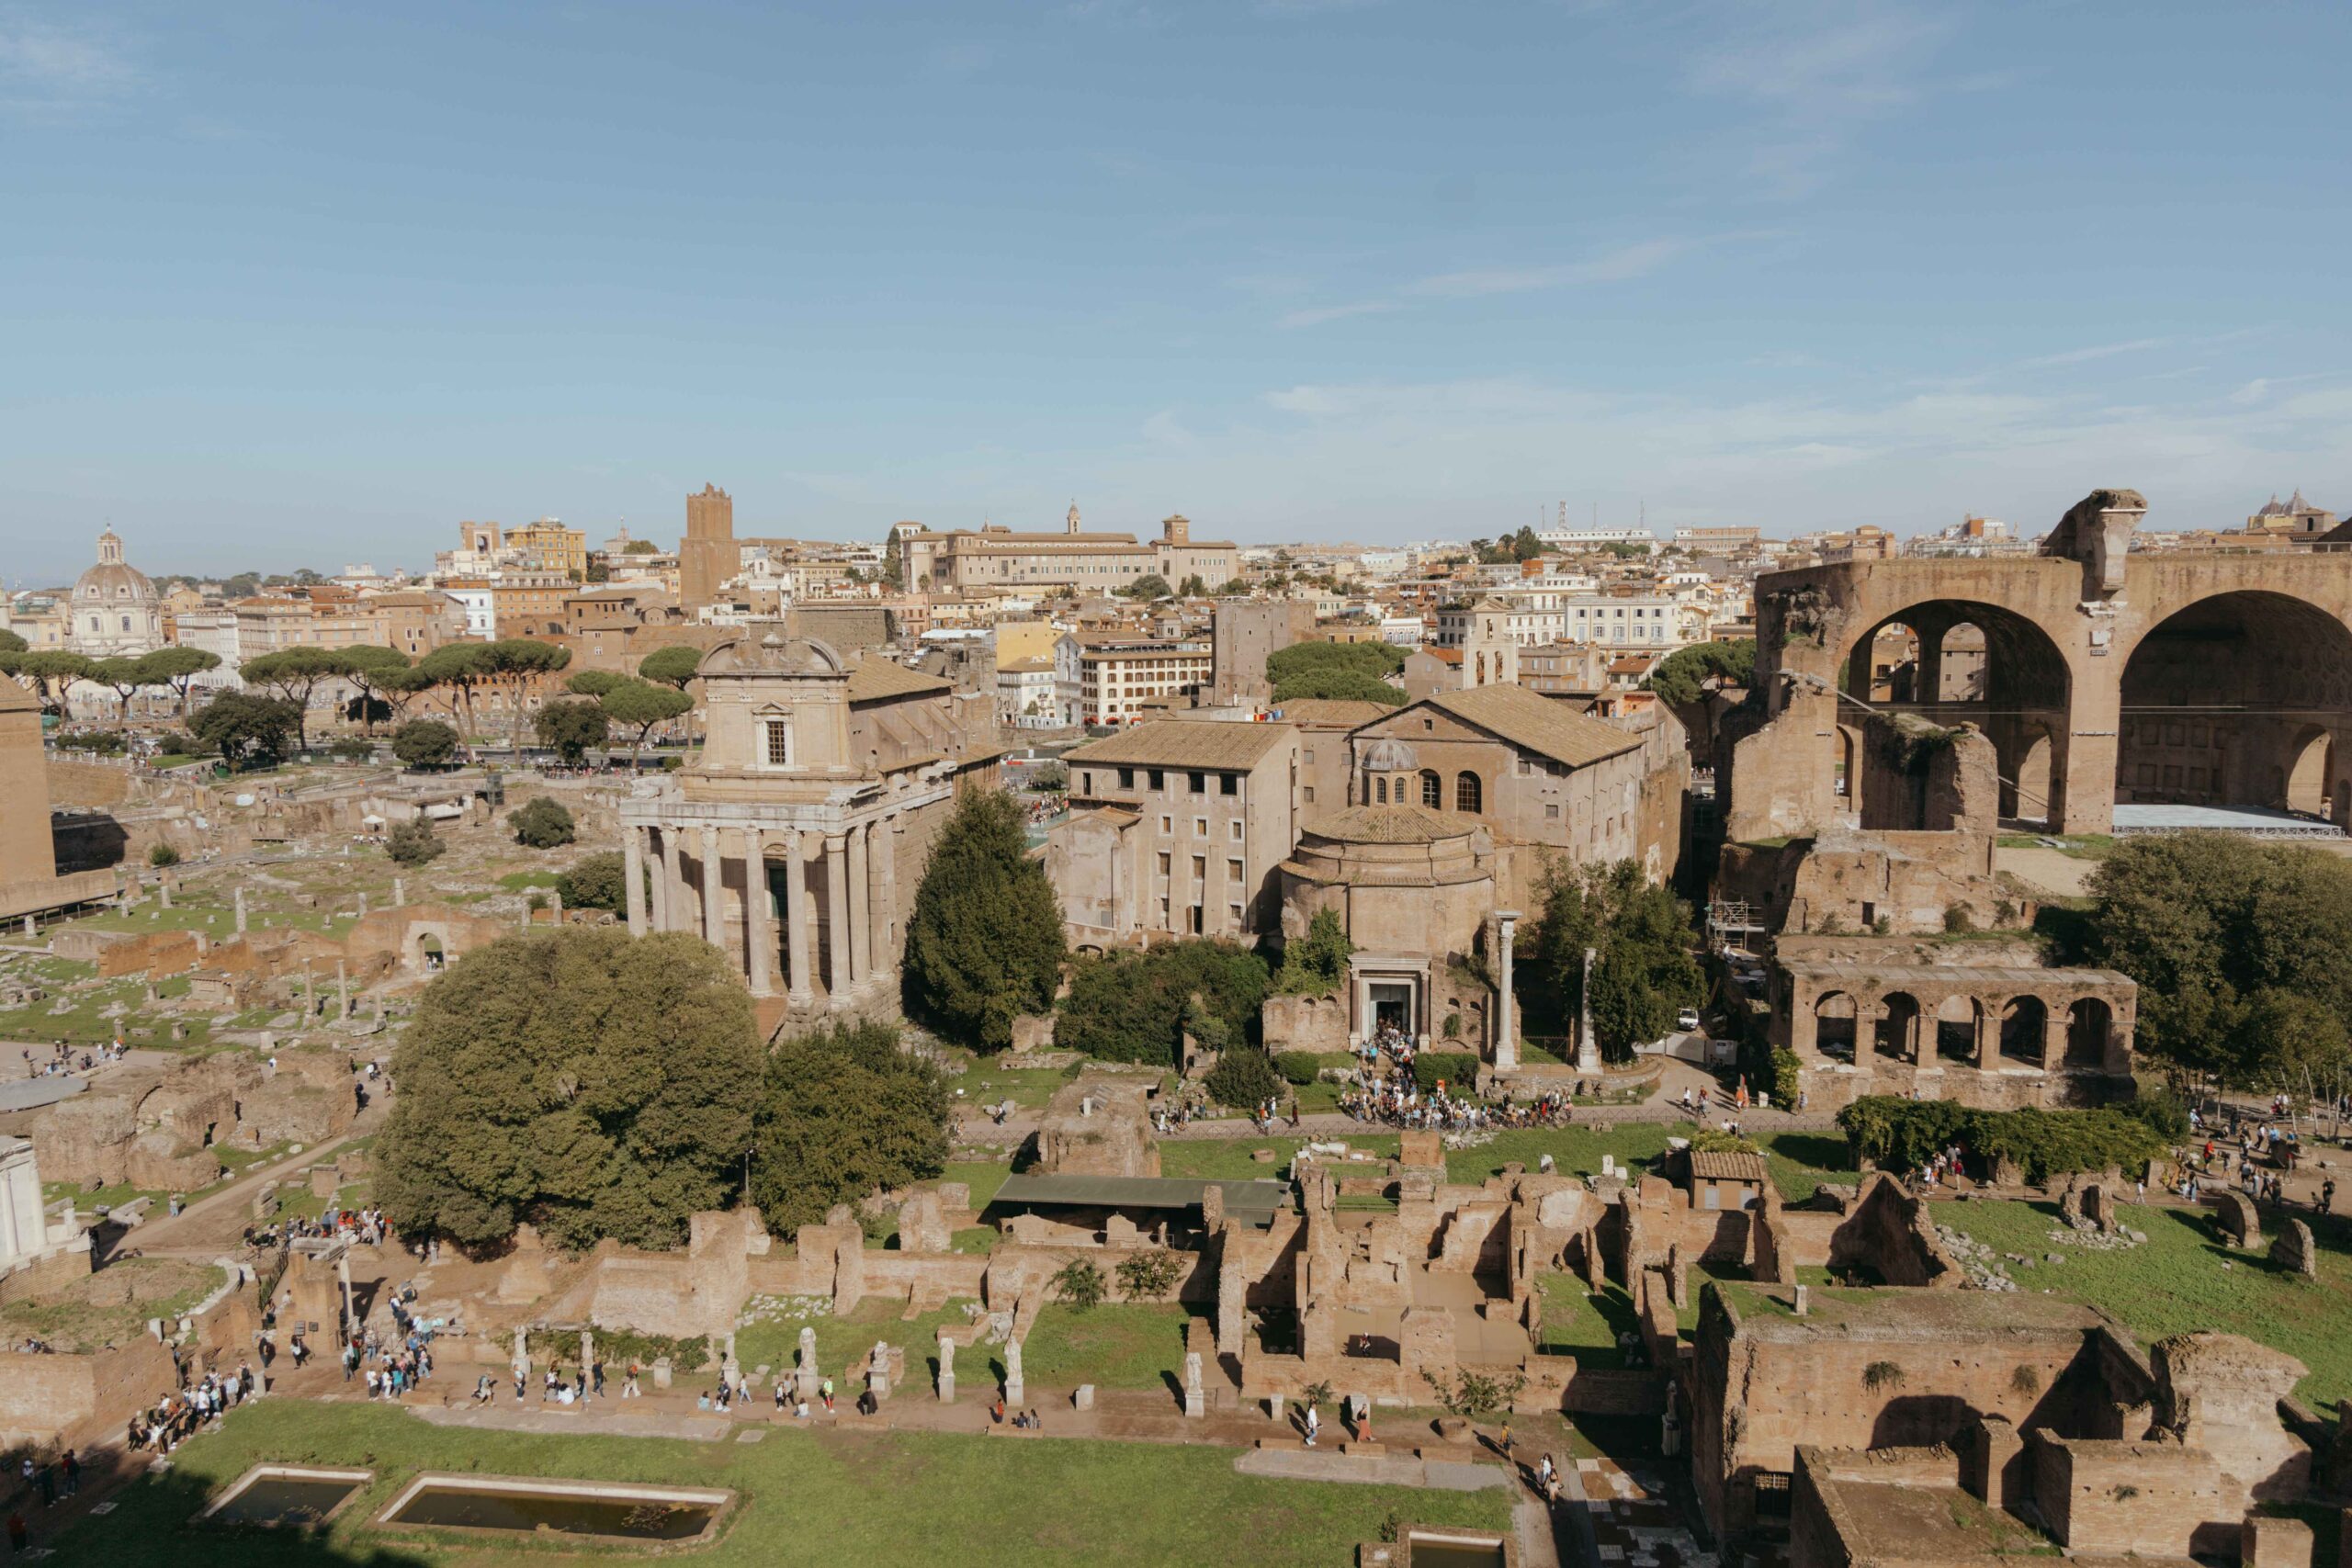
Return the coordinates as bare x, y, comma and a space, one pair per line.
837, 916
861, 954
714, 928
759, 931
883, 858
633, 876
795, 921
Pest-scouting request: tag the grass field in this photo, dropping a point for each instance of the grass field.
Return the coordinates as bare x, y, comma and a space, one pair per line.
2184, 1278
877, 1499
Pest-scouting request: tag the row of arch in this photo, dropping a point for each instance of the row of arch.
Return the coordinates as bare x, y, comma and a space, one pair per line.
2230, 701
1469, 790
1956, 1030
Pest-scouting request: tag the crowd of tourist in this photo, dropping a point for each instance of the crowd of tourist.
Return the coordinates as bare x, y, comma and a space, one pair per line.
65, 1058
178, 1417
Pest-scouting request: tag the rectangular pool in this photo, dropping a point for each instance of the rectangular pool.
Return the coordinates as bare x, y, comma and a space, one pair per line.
616, 1511
1456, 1551
284, 1494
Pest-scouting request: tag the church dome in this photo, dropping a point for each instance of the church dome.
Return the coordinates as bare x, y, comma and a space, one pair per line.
114, 611
113, 580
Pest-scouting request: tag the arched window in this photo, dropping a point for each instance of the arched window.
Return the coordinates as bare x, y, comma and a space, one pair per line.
1433, 789
1466, 794
1382, 785
1482, 671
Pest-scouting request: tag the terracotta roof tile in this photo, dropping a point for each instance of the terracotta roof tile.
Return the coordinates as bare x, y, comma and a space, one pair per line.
1185, 743
1537, 723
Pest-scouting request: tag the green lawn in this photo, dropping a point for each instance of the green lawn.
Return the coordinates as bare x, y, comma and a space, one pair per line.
1230, 1160
2176, 1283
878, 1499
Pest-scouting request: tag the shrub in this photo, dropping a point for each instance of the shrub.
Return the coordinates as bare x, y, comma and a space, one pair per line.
1475, 1395
2162, 1111
163, 854
424, 743
1242, 1078
1881, 1374
1715, 1141
542, 823
1079, 1283
1902, 1133
1132, 1007
180, 743
1299, 1066
413, 843
351, 749
104, 742
1149, 1275
596, 882
1959, 918
1772, 1067
1430, 1068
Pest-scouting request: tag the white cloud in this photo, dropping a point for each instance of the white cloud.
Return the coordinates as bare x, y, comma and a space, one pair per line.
1620, 265
49, 70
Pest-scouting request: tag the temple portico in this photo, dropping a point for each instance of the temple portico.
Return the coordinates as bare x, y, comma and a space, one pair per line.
778, 849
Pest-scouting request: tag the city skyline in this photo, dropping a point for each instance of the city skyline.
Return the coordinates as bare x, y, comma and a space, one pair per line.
298, 290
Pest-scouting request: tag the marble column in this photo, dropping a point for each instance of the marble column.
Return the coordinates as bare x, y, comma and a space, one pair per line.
1587, 1042
837, 977
796, 919
861, 953
885, 896
759, 933
714, 890
633, 876
1506, 1010
670, 885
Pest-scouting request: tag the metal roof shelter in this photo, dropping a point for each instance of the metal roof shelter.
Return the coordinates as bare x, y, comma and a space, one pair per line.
1255, 1202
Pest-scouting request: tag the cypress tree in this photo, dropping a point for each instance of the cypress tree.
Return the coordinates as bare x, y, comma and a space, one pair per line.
985, 942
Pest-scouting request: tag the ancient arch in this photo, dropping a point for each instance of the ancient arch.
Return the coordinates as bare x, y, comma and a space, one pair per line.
1469, 794
2025, 1026
2221, 699
2311, 778
1897, 1034
2089, 1023
1833, 1025
2010, 681
1956, 1020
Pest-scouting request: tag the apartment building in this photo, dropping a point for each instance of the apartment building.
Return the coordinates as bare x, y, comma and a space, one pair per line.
1176, 828
1101, 681
997, 557
548, 546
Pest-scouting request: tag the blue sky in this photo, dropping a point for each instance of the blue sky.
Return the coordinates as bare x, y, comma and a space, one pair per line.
289, 284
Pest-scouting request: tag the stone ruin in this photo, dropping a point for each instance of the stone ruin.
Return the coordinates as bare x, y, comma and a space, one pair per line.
2240, 1221
161, 1130
1099, 1125
2294, 1250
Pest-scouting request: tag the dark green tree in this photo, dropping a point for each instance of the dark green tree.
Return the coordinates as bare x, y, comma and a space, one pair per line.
177, 667
365, 666
248, 731
1243, 1079
1680, 676
641, 704
541, 823
11, 643
294, 673
672, 666
1192, 587
459, 667
1646, 969
572, 727
984, 944
590, 1083
593, 682
413, 843
424, 743
1315, 963
1150, 585
47, 673
595, 882
1135, 1007
844, 1112
2218, 931
1349, 672
125, 674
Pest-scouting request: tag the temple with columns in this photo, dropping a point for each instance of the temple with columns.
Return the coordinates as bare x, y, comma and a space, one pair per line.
794, 842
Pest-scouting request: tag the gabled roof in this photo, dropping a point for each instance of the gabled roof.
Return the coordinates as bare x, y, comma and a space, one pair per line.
1331, 713
876, 678
1728, 1165
1536, 723
1185, 743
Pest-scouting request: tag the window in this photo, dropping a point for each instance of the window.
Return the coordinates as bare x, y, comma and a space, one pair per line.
1159, 780
1200, 868
1309, 756
1199, 782
1168, 825
1197, 925
1233, 871
1126, 779
1526, 768
1428, 724
1309, 795
1233, 829
779, 743
1163, 863
1228, 783
1234, 911
1551, 813
1382, 786
1200, 827
1433, 790
1467, 794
